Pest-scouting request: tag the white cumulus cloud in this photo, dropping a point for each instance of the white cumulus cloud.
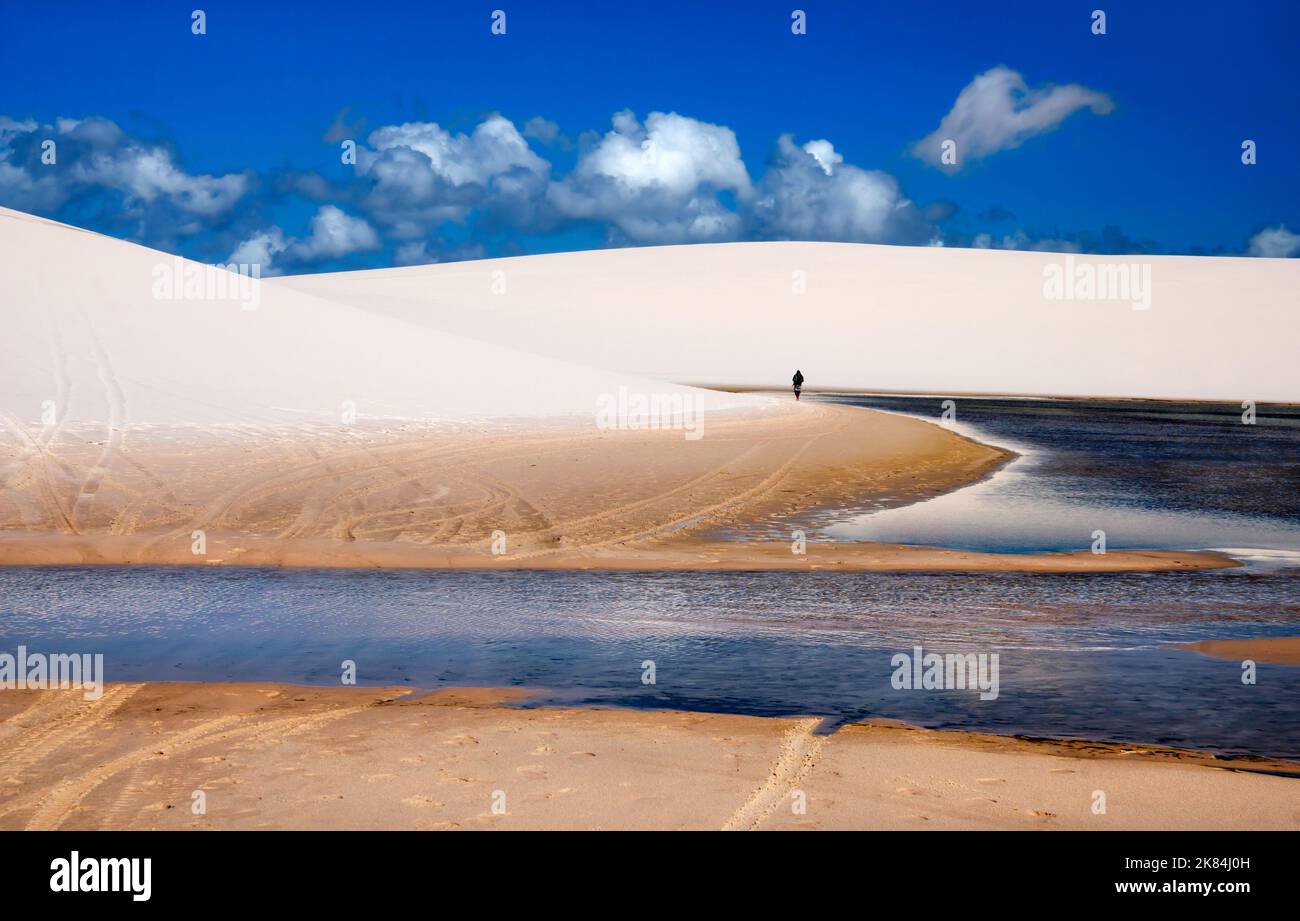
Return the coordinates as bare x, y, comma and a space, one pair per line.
1275, 242
998, 111
332, 234
809, 193
658, 182
543, 130
1022, 240
260, 249
95, 156
422, 174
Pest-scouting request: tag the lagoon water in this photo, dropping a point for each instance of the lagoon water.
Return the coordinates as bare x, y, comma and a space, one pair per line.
1150, 475
1080, 656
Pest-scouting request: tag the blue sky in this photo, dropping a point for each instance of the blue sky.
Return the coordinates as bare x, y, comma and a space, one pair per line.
228, 143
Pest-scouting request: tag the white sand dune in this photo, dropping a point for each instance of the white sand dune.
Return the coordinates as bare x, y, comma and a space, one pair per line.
874, 317
87, 340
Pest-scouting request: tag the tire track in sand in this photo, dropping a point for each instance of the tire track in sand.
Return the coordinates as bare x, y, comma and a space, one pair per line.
738, 500
56, 805
63, 728
114, 444
46, 708
45, 483
796, 758
62, 384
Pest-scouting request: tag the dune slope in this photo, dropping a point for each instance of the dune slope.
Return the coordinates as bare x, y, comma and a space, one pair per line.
923, 319
100, 331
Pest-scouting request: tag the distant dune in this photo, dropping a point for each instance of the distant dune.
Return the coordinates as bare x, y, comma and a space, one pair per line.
874, 317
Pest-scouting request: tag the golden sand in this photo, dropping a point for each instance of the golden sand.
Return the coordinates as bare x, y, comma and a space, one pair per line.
274, 756
556, 496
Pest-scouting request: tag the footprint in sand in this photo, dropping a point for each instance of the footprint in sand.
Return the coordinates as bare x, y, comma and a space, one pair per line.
423, 802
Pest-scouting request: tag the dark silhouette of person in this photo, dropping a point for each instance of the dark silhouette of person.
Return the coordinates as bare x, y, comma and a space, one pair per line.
798, 383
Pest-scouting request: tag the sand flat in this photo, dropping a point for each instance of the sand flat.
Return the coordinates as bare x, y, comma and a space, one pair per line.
566, 494
1277, 650
277, 756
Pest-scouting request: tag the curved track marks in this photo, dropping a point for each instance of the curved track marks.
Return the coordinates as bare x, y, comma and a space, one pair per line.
796, 758
50, 727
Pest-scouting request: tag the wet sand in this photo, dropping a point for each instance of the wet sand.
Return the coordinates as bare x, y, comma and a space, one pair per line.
276, 756
541, 496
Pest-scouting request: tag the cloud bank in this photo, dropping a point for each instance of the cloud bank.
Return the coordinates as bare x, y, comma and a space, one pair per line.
418, 192
94, 166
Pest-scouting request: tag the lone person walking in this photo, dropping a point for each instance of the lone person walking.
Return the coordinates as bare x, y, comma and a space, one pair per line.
798, 383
